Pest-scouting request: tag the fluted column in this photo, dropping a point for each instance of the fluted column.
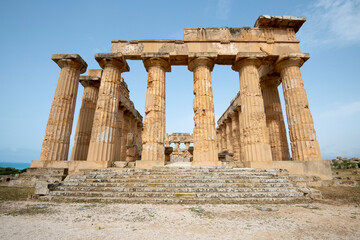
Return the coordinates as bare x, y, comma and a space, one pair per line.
255, 142
235, 134
58, 129
304, 145
86, 117
177, 145
153, 137
125, 129
204, 134
218, 139
102, 143
187, 145
119, 133
229, 137
274, 118
223, 137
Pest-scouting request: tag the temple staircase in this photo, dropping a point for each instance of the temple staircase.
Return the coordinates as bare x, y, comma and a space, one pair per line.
188, 185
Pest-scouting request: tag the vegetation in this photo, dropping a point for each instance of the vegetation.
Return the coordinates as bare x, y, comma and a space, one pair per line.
15, 193
10, 170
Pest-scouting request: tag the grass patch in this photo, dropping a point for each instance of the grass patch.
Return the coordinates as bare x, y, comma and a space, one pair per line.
15, 193
345, 195
31, 210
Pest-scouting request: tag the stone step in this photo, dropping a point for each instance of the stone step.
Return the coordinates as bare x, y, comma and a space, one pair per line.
179, 170
145, 180
178, 195
176, 200
179, 185
173, 189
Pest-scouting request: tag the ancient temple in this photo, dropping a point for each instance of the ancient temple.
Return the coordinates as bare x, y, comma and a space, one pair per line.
251, 130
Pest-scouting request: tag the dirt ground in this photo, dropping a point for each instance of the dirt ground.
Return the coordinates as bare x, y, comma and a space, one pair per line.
39, 220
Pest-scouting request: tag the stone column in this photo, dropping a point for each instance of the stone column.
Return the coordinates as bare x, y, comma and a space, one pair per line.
235, 134
119, 133
218, 139
125, 130
102, 143
223, 137
229, 137
274, 118
205, 151
56, 142
187, 145
304, 145
86, 117
177, 145
253, 130
153, 152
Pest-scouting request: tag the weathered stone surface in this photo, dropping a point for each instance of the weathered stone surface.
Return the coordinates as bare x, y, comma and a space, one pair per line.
41, 188
304, 145
102, 143
253, 130
153, 136
274, 118
84, 125
58, 129
205, 151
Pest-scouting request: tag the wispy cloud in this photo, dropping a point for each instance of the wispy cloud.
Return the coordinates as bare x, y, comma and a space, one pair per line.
332, 22
223, 9
344, 110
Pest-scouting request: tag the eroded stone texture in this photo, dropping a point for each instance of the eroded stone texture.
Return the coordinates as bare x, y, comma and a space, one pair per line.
58, 129
223, 137
86, 115
304, 145
274, 118
124, 133
235, 134
131, 149
253, 130
119, 133
229, 137
153, 136
204, 134
102, 143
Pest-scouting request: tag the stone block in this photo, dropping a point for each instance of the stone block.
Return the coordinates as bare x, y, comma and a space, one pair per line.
41, 188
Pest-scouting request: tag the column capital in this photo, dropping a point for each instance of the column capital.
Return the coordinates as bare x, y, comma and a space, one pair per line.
157, 60
233, 114
87, 81
115, 59
270, 80
293, 59
228, 119
70, 60
248, 58
198, 61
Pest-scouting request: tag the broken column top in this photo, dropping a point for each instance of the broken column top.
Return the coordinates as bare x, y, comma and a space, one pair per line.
265, 21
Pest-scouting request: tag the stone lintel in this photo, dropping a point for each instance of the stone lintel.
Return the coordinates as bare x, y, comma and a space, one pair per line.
95, 72
74, 57
266, 21
234, 106
90, 81
117, 58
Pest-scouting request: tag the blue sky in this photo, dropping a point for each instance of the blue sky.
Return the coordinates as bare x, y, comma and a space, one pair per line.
33, 30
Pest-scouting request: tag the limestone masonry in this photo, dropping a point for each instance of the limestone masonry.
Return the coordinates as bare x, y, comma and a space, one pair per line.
251, 133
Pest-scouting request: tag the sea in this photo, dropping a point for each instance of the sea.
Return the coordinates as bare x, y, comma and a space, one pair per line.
15, 165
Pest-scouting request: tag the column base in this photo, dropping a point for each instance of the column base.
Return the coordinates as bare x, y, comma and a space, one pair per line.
143, 164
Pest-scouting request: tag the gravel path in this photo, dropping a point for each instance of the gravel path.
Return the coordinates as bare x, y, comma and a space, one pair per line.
36, 220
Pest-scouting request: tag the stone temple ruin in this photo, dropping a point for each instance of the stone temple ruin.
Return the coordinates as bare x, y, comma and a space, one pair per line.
251, 133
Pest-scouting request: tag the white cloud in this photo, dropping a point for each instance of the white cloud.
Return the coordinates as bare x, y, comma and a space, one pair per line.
344, 110
223, 9
332, 22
